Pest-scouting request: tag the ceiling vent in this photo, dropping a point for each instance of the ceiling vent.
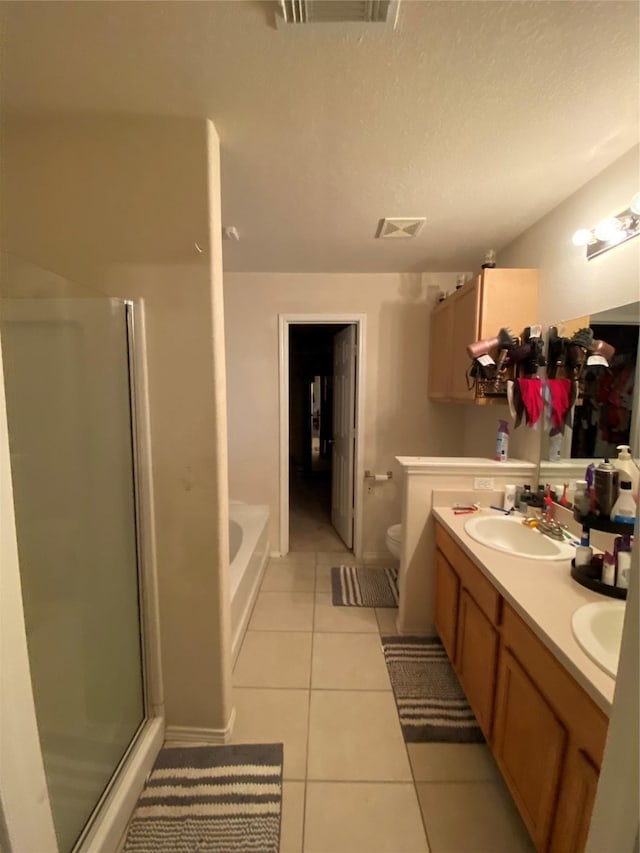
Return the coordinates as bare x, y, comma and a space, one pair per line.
342, 12
400, 227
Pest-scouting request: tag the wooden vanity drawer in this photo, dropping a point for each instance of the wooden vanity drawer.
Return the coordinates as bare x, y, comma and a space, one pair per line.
481, 590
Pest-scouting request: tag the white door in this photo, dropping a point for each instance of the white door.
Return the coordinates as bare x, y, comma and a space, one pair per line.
344, 432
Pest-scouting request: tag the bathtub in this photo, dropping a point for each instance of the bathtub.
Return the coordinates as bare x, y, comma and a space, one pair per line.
248, 555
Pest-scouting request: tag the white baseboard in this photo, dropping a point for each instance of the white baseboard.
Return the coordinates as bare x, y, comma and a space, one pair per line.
379, 558
191, 735
275, 554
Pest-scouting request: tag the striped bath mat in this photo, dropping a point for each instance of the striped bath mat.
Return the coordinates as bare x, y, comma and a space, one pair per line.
431, 704
358, 587
210, 798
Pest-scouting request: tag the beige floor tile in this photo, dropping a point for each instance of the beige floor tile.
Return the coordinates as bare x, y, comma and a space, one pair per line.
282, 611
348, 662
274, 716
491, 822
386, 617
336, 558
292, 819
452, 762
356, 736
330, 618
348, 817
289, 577
323, 578
274, 659
297, 557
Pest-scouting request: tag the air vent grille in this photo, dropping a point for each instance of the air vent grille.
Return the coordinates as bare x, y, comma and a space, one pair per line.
400, 227
344, 11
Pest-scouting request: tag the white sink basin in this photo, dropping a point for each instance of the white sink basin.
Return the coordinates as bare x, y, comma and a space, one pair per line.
598, 629
507, 533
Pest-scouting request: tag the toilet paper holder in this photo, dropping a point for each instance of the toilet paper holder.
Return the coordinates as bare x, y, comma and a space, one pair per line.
378, 478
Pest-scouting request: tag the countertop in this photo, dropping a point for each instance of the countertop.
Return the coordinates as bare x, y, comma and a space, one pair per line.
545, 595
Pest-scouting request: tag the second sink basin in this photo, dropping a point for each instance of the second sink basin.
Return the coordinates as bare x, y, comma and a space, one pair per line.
507, 533
598, 629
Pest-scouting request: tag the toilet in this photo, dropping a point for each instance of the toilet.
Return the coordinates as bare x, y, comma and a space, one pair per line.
393, 540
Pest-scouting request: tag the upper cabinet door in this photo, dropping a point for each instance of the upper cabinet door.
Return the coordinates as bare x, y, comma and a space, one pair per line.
440, 367
466, 309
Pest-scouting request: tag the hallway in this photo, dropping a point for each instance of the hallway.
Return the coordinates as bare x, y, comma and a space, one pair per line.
310, 527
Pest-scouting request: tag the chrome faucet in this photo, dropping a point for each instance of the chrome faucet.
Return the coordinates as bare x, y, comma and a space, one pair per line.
551, 528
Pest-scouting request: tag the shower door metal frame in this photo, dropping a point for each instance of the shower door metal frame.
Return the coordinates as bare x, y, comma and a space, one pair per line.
25, 813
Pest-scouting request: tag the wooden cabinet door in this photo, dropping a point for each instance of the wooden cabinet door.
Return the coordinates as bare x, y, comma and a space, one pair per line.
440, 349
529, 744
575, 804
466, 308
477, 659
446, 605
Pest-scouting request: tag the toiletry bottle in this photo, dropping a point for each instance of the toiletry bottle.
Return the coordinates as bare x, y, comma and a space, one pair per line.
606, 487
609, 569
625, 463
502, 443
589, 476
555, 445
584, 551
624, 509
581, 497
525, 499
509, 500
622, 551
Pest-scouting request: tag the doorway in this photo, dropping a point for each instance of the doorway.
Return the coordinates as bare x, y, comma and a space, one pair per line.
321, 405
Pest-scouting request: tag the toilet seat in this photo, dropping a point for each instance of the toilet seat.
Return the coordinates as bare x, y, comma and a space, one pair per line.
393, 540
395, 533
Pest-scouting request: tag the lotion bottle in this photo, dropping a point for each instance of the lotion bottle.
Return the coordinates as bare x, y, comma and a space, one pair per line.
628, 469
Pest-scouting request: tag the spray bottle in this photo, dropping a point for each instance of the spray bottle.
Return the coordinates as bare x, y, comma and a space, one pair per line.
502, 443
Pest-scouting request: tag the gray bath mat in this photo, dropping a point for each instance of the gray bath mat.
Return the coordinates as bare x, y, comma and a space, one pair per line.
210, 798
431, 703
353, 587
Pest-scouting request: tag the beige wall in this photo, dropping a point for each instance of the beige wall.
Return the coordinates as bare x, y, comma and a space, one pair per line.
399, 419
117, 203
569, 285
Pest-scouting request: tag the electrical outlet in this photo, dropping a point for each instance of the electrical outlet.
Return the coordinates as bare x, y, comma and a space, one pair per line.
485, 483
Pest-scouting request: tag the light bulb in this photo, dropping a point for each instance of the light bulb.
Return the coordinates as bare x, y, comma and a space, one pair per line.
635, 204
608, 230
582, 237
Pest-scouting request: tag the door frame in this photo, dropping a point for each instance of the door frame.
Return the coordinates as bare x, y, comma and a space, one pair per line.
360, 322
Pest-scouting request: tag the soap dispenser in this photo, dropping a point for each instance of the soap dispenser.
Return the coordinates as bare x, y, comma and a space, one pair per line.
628, 469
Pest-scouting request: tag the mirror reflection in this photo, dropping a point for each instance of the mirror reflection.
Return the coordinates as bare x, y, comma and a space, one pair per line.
607, 408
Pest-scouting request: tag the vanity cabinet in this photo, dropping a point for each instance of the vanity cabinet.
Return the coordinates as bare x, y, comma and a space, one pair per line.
546, 734
467, 610
494, 299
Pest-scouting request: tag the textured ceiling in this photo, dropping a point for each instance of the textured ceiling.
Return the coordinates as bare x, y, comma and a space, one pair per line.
480, 116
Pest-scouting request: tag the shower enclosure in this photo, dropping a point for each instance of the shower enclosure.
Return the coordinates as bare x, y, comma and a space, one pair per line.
70, 408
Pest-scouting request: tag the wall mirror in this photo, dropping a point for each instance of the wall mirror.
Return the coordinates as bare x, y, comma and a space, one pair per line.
607, 413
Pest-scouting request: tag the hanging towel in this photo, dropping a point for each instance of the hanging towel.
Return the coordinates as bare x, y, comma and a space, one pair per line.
561, 395
529, 400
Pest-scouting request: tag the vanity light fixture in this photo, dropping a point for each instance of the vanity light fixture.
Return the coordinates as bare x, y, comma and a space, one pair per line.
610, 232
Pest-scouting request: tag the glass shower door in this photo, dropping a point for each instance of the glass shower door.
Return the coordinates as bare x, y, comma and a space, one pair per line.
68, 398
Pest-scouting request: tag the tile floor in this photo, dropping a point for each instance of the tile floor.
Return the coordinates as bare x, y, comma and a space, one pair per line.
313, 677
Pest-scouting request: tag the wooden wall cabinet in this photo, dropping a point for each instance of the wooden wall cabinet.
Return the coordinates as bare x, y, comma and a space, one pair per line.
494, 299
546, 733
